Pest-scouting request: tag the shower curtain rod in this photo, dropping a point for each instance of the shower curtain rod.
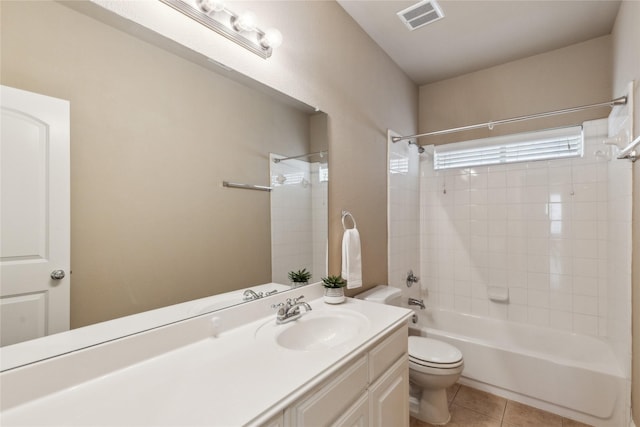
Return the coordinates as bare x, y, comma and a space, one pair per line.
320, 153
618, 101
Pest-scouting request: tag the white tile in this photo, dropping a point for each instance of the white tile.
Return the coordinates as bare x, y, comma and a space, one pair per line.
462, 288
517, 178
461, 197
518, 296
537, 211
517, 313
536, 246
560, 265
585, 324
478, 196
537, 177
559, 175
560, 301
584, 192
538, 264
517, 278
496, 179
585, 229
496, 195
538, 316
585, 211
539, 281
585, 267
585, 248
498, 310
538, 194
538, 298
560, 320
479, 307
462, 304
585, 305
561, 283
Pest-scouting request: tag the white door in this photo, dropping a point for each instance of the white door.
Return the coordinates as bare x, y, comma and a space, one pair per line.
34, 215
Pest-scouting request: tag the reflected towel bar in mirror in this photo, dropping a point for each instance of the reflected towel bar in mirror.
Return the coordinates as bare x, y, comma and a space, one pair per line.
245, 186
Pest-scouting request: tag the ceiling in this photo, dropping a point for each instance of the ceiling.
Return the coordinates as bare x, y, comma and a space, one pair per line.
479, 34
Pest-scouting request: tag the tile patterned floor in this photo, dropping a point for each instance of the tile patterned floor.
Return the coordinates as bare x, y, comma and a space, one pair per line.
474, 408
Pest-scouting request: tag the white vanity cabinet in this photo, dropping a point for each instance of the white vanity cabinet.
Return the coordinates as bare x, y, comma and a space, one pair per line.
373, 390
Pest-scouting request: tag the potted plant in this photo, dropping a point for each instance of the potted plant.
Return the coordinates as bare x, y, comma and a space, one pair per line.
333, 289
300, 277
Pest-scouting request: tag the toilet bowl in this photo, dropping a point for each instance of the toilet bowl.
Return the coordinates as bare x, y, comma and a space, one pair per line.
433, 365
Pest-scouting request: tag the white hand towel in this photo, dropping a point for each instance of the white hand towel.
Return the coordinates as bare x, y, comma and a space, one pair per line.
351, 258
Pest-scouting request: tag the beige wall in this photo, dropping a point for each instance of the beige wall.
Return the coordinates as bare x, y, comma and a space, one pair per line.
152, 138
626, 67
576, 75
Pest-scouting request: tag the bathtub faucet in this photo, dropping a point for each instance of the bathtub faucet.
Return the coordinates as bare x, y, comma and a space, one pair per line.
418, 302
250, 295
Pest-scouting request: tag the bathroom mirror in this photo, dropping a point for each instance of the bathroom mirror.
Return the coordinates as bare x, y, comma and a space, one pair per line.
155, 130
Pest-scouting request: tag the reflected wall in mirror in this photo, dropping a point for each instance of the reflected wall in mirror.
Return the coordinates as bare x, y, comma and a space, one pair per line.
153, 136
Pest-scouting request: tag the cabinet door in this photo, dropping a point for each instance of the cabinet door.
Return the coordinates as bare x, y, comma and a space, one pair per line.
331, 401
357, 415
389, 397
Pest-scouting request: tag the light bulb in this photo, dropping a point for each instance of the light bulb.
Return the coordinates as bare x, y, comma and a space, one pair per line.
210, 6
272, 38
245, 22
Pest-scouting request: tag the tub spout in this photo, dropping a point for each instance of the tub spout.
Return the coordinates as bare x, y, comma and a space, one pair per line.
418, 302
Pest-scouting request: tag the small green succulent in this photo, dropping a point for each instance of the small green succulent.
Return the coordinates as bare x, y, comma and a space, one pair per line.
300, 276
333, 282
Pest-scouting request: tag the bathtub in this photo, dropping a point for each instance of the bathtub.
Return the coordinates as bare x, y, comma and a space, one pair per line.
572, 375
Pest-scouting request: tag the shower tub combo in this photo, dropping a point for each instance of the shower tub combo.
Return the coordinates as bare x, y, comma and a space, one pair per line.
576, 376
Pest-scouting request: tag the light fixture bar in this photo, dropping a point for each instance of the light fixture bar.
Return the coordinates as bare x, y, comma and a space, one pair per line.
227, 31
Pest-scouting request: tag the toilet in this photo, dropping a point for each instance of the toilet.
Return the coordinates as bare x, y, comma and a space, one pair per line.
433, 365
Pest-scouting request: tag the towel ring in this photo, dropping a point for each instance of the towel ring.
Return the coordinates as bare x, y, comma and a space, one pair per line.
348, 214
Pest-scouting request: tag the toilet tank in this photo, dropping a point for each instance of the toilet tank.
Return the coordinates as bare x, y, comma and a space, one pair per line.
382, 294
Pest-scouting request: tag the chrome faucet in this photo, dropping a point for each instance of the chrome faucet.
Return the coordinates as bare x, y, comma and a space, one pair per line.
418, 302
250, 295
290, 309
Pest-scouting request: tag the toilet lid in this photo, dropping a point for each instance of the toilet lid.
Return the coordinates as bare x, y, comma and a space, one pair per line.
433, 351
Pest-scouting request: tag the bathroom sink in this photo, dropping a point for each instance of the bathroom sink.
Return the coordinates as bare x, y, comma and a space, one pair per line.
316, 330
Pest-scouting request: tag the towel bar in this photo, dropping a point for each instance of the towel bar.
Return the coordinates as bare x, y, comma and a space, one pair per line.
245, 186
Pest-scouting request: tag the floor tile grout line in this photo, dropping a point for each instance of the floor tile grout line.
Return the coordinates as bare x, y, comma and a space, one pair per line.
504, 411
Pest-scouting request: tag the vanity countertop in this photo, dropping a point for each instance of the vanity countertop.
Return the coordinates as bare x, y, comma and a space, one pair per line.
219, 377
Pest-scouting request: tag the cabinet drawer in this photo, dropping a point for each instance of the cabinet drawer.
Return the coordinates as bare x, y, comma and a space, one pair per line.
387, 352
332, 400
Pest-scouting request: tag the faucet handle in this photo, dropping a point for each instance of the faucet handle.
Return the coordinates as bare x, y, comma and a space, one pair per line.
278, 305
298, 299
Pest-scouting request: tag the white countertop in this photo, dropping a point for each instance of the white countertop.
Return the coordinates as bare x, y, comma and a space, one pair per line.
233, 378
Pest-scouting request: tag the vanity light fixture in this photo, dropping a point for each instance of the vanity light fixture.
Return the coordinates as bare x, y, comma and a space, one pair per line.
240, 28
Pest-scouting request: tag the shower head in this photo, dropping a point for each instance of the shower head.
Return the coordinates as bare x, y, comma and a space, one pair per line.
420, 147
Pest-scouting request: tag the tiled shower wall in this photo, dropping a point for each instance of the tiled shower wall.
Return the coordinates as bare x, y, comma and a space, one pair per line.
545, 230
403, 216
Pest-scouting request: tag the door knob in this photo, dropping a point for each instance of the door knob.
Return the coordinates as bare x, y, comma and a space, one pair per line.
57, 274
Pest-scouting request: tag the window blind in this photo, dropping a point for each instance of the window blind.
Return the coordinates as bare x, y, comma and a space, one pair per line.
523, 147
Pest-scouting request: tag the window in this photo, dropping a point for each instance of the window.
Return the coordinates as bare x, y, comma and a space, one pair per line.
523, 147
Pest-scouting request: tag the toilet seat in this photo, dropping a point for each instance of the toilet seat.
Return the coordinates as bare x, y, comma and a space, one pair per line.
432, 353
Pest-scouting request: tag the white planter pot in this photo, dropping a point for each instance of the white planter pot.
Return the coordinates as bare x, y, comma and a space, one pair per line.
334, 295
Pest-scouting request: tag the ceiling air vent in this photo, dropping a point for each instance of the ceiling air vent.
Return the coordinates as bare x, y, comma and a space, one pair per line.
421, 14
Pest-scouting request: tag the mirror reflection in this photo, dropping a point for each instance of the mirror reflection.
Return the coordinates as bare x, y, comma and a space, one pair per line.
153, 137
